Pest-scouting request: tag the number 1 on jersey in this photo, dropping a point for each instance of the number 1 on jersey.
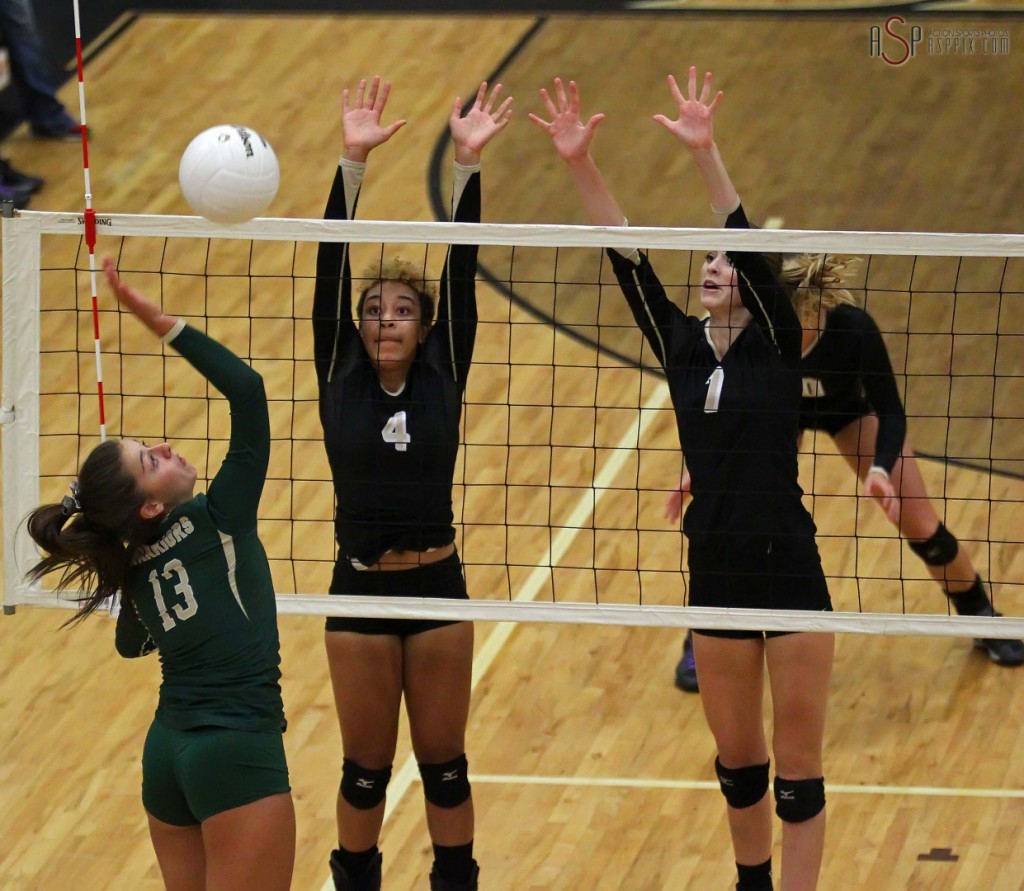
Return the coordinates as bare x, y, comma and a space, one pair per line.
394, 432
714, 390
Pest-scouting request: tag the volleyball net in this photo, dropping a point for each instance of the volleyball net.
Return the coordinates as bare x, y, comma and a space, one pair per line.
569, 445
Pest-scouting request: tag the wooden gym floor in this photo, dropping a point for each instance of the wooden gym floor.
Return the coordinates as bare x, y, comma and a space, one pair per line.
591, 771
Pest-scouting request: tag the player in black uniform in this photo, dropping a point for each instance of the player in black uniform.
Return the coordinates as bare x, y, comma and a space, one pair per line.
850, 392
391, 394
195, 585
735, 387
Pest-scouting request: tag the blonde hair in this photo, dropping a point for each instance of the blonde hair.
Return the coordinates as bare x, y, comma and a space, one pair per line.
816, 283
396, 269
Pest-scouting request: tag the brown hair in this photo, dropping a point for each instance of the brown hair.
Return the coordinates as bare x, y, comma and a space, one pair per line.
817, 282
398, 270
90, 538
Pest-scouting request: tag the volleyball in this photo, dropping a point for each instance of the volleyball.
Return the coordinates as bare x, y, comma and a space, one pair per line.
229, 174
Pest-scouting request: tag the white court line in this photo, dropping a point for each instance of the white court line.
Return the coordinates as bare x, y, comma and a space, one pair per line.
652, 783
408, 773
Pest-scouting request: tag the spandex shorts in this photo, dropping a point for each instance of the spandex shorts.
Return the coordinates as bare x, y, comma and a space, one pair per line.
441, 579
783, 574
739, 633
191, 775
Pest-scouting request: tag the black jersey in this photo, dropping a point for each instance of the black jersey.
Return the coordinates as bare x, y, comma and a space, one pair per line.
200, 591
392, 457
736, 414
846, 375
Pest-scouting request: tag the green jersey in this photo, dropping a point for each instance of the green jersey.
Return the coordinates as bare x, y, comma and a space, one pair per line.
200, 591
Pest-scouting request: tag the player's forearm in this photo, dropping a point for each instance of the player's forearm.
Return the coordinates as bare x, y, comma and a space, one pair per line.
721, 191
600, 205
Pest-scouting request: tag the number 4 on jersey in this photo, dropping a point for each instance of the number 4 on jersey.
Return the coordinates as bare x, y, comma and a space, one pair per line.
394, 431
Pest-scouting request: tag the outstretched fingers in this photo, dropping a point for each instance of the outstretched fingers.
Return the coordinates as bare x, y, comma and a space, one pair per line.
665, 122
110, 272
371, 98
391, 129
123, 292
677, 95
379, 99
504, 113
539, 121
563, 101
481, 95
483, 100
549, 105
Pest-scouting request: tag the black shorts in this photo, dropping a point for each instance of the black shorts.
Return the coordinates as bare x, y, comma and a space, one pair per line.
441, 579
739, 633
783, 573
836, 416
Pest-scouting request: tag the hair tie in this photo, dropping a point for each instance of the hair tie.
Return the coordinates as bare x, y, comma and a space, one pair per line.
70, 503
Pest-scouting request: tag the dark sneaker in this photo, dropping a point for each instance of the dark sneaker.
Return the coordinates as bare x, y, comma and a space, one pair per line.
70, 132
686, 670
20, 199
22, 183
1002, 651
471, 884
976, 602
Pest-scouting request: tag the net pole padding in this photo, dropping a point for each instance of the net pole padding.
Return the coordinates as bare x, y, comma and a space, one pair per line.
19, 401
534, 235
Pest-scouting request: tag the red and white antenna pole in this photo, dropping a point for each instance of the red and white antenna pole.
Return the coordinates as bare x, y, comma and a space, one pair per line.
90, 222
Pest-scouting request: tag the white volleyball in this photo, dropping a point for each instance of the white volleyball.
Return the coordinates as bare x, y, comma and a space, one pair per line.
229, 174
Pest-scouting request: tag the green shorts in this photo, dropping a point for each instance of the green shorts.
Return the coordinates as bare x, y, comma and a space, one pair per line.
190, 775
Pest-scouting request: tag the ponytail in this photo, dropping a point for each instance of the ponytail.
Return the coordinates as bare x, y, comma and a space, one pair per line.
90, 536
818, 283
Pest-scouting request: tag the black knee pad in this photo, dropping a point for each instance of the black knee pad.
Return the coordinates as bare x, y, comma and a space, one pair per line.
742, 786
799, 800
446, 785
938, 550
361, 787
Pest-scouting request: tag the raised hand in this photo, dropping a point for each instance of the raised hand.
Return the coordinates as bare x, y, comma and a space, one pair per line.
472, 132
694, 126
360, 118
674, 502
571, 137
136, 302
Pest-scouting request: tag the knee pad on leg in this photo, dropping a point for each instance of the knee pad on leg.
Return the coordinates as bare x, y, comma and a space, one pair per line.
742, 786
361, 787
799, 800
938, 550
446, 785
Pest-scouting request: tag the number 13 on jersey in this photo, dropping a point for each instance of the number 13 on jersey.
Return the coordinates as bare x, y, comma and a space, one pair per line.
394, 432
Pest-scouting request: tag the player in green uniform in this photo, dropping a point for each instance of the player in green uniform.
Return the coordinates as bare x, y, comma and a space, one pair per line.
195, 585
